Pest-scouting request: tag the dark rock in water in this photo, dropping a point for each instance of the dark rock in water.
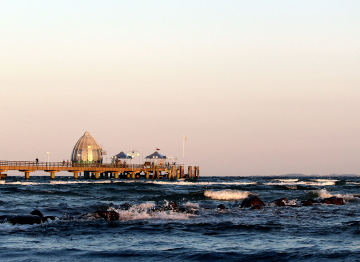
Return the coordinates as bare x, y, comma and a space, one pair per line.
5, 218
308, 202
173, 206
252, 201
108, 215
170, 206
37, 213
281, 202
25, 220
35, 217
256, 207
333, 201
221, 206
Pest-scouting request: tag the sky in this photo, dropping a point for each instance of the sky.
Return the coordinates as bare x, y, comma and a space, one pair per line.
258, 87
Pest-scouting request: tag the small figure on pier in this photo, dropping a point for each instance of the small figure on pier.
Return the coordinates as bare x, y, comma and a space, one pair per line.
63, 162
37, 161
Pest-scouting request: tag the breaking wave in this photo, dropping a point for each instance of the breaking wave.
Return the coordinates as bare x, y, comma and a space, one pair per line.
323, 193
143, 212
227, 194
296, 182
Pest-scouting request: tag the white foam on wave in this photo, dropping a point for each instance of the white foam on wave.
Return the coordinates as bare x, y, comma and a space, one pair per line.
192, 205
81, 182
227, 194
52, 182
189, 183
323, 193
287, 180
294, 182
23, 183
6, 226
144, 212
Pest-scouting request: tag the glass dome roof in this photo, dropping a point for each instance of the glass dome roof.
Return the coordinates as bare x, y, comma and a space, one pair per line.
86, 150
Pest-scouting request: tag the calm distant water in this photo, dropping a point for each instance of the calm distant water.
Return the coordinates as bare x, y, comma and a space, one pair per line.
313, 233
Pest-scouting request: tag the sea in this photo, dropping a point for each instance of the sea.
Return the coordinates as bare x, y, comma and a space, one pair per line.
147, 230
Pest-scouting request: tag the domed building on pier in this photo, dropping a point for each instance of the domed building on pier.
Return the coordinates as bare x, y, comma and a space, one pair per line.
87, 150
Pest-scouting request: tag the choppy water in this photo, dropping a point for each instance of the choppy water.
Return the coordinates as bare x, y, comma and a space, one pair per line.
205, 233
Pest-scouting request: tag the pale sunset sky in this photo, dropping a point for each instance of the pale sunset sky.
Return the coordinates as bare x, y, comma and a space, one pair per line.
258, 87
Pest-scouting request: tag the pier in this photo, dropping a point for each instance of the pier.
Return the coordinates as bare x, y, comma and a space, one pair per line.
147, 170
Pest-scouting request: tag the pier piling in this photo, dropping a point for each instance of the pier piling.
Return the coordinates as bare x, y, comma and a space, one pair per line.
97, 175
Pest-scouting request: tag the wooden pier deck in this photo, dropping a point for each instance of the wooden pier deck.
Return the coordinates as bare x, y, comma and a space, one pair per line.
98, 170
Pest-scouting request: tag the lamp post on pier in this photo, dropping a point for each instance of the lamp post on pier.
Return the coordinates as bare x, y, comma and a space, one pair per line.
48, 158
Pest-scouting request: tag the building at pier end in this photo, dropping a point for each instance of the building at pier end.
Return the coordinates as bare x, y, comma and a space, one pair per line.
87, 150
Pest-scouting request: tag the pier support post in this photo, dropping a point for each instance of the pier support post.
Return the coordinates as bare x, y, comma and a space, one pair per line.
169, 173
174, 171
116, 175
157, 172
181, 171
190, 172
52, 174
154, 172
147, 176
97, 175
27, 175
133, 175
76, 175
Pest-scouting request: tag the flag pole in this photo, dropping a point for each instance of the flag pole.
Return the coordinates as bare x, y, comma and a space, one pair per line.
184, 139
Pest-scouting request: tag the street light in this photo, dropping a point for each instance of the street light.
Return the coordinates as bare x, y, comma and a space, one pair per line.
132, 154
170, 158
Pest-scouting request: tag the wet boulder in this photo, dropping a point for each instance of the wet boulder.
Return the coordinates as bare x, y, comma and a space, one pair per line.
308, 202
5, 218
173, 206
35, 217
281, 202
43, 218
25, 220
108, 215
333, 201
221, 206
252, 201
37, 213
